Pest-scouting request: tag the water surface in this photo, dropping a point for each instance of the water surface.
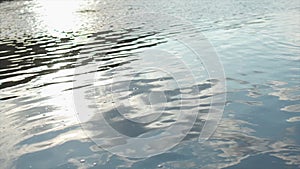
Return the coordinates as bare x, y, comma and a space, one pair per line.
43, 43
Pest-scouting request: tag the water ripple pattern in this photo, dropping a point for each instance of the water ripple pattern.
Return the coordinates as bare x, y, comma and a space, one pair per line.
144, 96
50, 50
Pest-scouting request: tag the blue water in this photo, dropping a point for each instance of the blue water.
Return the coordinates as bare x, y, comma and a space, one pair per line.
43, 44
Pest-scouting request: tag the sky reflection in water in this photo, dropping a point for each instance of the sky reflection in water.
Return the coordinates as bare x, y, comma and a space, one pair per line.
42, 42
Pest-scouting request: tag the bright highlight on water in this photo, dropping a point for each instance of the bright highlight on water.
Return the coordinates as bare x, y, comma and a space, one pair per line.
149, 84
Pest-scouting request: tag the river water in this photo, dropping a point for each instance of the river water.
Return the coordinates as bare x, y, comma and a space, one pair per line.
51, 50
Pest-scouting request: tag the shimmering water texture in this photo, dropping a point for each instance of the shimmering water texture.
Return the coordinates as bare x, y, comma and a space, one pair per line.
100, 84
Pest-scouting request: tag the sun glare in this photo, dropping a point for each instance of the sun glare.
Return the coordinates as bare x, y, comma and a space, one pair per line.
59, 16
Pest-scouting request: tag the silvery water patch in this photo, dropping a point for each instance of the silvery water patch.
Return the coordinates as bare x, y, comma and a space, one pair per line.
142, 93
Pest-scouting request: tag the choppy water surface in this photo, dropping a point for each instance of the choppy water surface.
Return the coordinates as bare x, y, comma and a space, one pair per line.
44, 43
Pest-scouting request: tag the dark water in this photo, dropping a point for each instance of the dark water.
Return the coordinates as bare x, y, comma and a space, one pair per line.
43, 44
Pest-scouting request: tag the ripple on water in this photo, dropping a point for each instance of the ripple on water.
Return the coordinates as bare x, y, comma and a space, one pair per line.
258, 45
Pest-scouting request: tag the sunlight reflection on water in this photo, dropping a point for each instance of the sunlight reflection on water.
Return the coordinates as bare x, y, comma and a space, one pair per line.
42, 42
